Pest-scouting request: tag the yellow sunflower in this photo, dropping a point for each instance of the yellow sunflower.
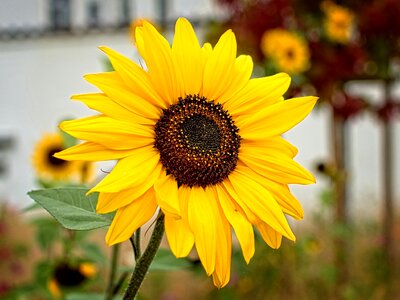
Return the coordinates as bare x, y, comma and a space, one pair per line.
48, 166
197, 138
339, 22
288, 51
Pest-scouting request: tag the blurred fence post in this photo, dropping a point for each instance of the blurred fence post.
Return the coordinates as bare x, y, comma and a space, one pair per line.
340, 141
163, 15
387, 212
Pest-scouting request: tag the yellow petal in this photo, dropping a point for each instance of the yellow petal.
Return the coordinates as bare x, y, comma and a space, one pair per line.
179, 236
205, 54
110, 108
166, 189
258, 94
276, 119
129, 218
89, 151
202, 218
275, 146
112, 85
111, 133
241, 73
109, 202
186, 51
219, 66
289, 204
261, 203
139, 41
269, 235
156, 51
282, 169
132, 172
236, 217
135, 78
222, 271
238, 201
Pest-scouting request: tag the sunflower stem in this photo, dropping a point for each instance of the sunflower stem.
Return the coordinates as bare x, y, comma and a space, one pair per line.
113, 272
136, 244
143, 263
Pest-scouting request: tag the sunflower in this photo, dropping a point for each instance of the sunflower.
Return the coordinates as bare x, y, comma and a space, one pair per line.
67, 275
48, 166
197, 138
339, 22
288, 51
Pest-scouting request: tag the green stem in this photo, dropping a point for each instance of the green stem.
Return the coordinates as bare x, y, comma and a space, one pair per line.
113, 272
136, 243
69, 242
143, 264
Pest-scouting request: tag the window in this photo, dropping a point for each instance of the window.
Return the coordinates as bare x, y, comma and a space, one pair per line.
93, 10
60, 14
125, 18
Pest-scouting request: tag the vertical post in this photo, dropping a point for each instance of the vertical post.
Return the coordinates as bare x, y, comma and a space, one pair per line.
339, 133
387, 151
162, 10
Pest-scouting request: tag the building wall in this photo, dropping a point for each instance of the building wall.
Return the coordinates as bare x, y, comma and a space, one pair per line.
21, 14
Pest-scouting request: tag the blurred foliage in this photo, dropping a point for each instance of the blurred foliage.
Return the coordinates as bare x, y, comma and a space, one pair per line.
301, 270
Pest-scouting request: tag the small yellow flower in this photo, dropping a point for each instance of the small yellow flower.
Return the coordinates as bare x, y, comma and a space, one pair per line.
338, 23
199, 139
288, 51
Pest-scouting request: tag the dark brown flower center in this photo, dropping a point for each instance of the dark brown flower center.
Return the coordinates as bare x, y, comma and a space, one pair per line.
54, 161
198, 141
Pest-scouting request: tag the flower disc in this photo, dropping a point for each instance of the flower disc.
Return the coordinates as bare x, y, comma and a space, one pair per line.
198, 141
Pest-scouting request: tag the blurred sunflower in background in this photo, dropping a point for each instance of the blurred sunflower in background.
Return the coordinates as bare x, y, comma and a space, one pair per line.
195, 136
287, 50
338, 23
51, 168
67, 276
48, 166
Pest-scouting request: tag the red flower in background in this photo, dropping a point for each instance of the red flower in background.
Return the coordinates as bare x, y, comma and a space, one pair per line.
332, 65
388, 110
250, 19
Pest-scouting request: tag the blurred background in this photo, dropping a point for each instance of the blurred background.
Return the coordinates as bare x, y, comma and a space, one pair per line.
346, 52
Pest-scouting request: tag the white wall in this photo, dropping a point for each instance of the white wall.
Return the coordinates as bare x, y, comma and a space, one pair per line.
20, 13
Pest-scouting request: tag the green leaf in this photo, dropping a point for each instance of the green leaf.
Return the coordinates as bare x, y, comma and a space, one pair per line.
166, 261
72, 208
68, 140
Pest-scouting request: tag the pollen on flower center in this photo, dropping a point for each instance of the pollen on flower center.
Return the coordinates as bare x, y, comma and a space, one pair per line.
198, 141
